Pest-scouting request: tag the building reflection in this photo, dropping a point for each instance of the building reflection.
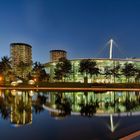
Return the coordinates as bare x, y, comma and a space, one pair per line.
19, 105
21, 108
96, 102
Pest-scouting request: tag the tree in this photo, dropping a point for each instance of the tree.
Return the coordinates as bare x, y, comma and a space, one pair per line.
129, 71
88, 68
107, 72
63, 69
93, 69
39, 72
115, 72
5, 66
39, 102
23, 70
137, 79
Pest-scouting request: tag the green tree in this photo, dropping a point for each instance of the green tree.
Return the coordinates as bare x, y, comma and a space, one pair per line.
129, 71
39, 72
63, 69
115, 72
5, 66
88, 68
107, 72
93, 69
137, 79
23, 70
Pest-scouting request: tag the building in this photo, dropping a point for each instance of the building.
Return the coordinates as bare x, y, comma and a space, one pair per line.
102, 64
55, 55
76, 76
20, 52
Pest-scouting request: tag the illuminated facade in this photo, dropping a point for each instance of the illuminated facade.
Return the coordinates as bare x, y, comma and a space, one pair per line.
76, 76
55, 55
20, 52
105, 102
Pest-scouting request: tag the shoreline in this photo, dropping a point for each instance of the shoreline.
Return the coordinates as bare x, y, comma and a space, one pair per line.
71, 88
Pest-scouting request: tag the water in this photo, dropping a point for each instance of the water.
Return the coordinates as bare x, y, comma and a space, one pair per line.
37, 115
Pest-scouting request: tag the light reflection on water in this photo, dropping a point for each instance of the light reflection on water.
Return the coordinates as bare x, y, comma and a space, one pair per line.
22, 107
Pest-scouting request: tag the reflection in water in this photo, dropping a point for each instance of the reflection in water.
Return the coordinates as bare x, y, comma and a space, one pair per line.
89, 103
19, 105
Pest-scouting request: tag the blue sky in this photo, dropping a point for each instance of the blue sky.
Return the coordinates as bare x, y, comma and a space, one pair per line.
81, 27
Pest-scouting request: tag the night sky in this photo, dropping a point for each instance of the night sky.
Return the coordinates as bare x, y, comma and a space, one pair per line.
81, 27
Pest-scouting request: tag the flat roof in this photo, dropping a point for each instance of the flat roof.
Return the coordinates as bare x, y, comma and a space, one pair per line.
58, 51
114, 59
25, 44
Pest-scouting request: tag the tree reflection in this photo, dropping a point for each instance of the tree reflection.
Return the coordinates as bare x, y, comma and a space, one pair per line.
4, 109
38, 104
64, 105
88, 109
131, 104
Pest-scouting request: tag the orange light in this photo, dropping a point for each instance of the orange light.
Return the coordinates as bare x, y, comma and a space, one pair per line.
0, 78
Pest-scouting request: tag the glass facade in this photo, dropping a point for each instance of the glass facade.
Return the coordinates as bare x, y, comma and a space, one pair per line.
76, 76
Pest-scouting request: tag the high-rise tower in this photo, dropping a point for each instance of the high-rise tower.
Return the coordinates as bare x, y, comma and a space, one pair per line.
20, 52
55, 55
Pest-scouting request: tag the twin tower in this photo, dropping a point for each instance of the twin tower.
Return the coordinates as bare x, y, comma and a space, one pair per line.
22, 52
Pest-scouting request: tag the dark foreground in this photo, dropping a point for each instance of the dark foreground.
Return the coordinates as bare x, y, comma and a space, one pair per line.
71, 128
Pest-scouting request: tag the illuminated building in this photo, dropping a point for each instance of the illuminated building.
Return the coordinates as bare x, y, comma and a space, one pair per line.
76, 76
55, 55
20, 52
102, 63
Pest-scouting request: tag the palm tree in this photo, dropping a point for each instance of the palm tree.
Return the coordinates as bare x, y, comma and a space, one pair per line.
23, 70
88, 67
63, 69
115, 72
5, 66
84, 68
129, 71
107, 72
93, 69
137, 79
39, 72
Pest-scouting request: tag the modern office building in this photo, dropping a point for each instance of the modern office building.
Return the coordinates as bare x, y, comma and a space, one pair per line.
20, 52
55, 55
102, 63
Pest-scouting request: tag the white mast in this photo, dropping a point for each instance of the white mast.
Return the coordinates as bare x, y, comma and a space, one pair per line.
111, 45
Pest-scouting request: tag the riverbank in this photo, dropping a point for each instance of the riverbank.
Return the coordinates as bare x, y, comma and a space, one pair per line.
75, 87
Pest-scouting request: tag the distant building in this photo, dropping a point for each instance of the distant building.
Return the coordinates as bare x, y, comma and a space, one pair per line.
20, 52
55, 55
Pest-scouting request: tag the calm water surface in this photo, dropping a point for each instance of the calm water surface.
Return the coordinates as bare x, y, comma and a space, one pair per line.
37, 115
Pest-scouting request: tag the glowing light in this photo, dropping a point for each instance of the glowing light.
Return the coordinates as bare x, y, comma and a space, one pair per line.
31, 93
31, 82
19, 93
14, 83
0, 78
13, 92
